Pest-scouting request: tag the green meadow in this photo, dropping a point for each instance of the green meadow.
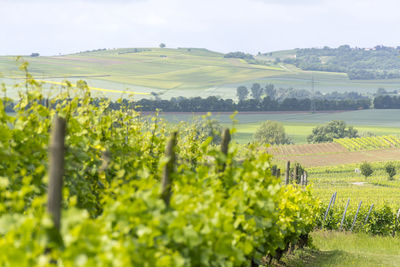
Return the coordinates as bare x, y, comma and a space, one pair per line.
299, 125
347, 249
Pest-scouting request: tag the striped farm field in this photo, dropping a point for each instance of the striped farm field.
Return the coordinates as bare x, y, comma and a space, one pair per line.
341, 151
306, 149
332, 159
369, 143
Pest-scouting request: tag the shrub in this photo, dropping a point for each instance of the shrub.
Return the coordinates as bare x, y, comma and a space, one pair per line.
390, 170
366, 169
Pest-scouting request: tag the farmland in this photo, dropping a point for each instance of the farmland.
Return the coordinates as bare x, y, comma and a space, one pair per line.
300, 124
97, 199
179, 72
339, 152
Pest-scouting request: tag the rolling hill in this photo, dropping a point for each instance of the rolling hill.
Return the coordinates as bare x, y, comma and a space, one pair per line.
180, 72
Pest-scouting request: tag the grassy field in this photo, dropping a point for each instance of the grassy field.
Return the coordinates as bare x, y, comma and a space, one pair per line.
344, 249
179, 72
299, 125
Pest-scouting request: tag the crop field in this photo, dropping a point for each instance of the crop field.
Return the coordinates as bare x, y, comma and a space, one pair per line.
178, 72
369, 143
306, 149
341, 151
343, 179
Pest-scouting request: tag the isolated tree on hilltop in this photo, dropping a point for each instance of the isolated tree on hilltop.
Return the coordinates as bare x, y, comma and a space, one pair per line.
256, 91
162, 45
271, 132
333, 130
242, 92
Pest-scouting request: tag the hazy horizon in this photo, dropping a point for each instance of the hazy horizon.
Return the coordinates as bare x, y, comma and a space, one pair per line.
54, 27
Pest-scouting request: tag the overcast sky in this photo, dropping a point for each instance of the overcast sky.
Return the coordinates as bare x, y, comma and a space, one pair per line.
51, 27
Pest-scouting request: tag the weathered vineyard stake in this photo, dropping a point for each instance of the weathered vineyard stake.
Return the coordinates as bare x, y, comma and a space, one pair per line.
305, 179
105, 160
327, 210
396, 222
369, 213
226, 138
344, 214
168, 169
355, 217
287, 173
56, 165
334, 199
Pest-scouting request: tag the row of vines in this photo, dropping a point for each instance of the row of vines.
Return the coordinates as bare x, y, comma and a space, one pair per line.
112, 210
369, 143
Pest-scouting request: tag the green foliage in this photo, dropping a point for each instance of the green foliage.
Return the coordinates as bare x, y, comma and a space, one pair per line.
378, 63
271, 132
113, 214
381, 220
238, 54
390, 169
208, 127
366, 169
331, 131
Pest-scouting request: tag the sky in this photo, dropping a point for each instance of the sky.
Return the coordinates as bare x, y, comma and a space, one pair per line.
53, 27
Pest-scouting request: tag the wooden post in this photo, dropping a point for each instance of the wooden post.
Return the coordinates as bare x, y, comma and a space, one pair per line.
305, 179
327, 210
226, 138
396, 222
105, 160
369, 212
168, 169
355, 217
295, 174
287, 173
278, 173
344, 214
56, 166
334, 198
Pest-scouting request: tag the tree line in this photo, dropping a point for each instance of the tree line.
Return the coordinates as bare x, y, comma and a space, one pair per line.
274, 101
387, 102
380, 62
212, 103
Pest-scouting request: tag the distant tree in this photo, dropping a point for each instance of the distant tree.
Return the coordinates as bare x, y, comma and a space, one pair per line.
35, 54
366, 169
238, 55
270, 90
271, 132
242, 92
333, 130
162, 45
390, 169
256, 91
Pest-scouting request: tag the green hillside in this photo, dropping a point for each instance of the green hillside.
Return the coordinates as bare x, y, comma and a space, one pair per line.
180, 72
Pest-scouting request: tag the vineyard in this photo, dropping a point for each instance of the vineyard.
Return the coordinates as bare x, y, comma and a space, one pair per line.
369, 143
135, 191
339, 152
